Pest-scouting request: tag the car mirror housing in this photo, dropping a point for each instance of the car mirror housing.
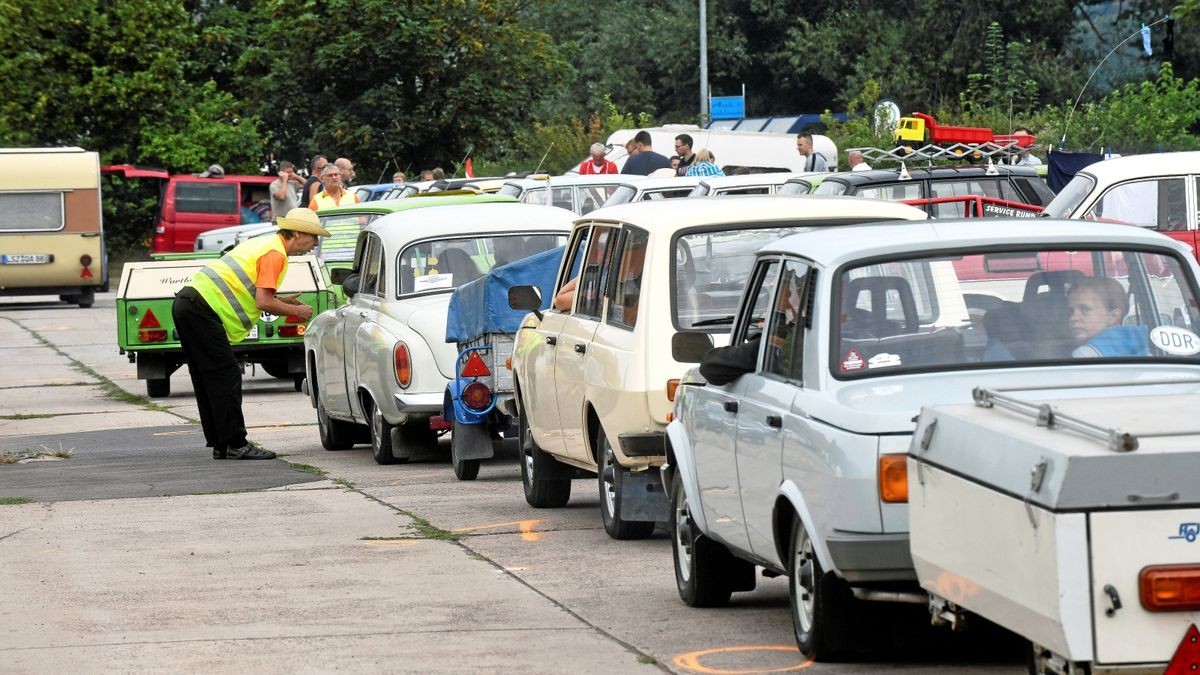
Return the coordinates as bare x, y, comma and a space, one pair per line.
350, 284
527, 298
690, 347
339, 275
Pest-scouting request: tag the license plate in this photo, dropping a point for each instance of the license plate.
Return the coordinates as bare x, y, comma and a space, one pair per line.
253, 334
25, 259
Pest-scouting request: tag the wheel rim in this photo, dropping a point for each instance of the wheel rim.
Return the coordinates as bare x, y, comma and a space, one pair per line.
683, 537
610, 484
804, 580
376, 427
527, 453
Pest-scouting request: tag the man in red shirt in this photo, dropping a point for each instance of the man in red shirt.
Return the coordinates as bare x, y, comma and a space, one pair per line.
596, 164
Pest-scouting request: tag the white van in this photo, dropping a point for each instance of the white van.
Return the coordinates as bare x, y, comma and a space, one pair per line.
735, 151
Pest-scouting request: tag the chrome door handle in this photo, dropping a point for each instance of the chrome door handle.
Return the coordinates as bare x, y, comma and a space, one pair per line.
551, 340
580, 348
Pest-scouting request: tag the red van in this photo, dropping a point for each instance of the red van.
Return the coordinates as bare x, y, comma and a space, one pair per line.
192, 204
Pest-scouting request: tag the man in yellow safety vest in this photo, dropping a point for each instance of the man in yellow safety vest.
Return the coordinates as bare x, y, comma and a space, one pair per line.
219, 307
334, 192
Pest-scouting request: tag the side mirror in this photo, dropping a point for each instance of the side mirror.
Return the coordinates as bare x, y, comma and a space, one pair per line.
690, 347
527, 298
338, 276
350, 284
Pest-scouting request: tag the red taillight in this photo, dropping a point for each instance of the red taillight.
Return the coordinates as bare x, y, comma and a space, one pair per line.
86, 261
294, 326
403, 364
893, 478
1170, 588
147, 326
477, 396
475, 367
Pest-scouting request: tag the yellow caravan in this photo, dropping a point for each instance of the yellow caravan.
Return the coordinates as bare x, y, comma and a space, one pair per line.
51, 231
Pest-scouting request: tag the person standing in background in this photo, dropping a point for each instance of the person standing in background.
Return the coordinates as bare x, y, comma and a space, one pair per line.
683, 148
597, 164
334, 194
347, 168
813, 160
646, 160
312, 185
856, 161
284, 196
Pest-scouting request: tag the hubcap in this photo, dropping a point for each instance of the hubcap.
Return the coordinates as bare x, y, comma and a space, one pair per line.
376, 428
527, 454
683, 538
610, 485
804, 580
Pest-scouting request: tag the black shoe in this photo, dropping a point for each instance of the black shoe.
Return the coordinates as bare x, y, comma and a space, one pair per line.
218, 454
249, 452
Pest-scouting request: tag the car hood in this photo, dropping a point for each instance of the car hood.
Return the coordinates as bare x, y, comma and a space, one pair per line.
888, 405
426, 315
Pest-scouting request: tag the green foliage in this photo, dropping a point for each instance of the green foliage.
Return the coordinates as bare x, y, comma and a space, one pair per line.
212, 130
858, 131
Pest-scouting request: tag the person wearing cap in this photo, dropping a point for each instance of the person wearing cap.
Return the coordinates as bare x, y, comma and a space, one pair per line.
213, 171
218, 308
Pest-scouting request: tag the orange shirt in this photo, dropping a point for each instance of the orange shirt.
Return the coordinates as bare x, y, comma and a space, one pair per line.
269, 267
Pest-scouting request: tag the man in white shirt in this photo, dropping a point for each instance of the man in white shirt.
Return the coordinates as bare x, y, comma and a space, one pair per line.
284, 197
813, 160
856, 162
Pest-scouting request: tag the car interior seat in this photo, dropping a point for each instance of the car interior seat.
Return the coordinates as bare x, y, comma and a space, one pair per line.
459, 263
873, 320
1044, 313
508, 249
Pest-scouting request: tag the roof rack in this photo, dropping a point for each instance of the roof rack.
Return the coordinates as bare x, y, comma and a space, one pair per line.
955, 152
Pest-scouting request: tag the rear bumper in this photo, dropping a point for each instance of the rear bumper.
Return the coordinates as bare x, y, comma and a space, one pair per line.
861, 557
419, 403
652, 444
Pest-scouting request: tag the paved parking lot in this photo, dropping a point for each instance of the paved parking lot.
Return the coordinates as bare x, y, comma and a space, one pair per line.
139, 553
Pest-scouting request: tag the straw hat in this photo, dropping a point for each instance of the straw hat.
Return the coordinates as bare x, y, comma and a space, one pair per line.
301, 219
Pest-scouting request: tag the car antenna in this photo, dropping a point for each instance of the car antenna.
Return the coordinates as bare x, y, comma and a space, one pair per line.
539, 166
470, 149
380, 179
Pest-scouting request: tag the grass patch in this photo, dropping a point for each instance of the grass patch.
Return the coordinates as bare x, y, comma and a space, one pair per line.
307, 468
480, 557
25, 416
15, 457
8, 458
426, 530
647, 660
383, 538
344, 483
10, 501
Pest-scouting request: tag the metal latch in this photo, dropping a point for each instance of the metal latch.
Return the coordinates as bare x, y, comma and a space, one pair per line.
1114, 600
1036, 477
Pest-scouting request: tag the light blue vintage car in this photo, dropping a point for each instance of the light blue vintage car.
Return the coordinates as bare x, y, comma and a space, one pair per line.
796, 461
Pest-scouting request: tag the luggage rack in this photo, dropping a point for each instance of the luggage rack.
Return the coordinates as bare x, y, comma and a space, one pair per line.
953, 152
1048, 416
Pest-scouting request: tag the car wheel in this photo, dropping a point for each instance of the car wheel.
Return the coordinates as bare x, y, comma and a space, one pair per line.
463, 438
276, 368
540, 492
86, 298
705, 571
381, 434
821, 603
159, 387
609, 479
335, 434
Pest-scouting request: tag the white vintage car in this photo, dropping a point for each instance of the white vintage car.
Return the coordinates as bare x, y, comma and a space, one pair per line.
381, 361
581, 194
745, 184
796, 460
594, 382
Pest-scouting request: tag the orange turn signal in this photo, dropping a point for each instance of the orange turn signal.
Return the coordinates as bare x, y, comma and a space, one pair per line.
893, 478
403, 364
1170, 588
672, 385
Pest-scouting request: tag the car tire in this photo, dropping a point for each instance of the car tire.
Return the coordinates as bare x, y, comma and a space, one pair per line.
705, 571
822, 604
86, 298
276, 368
335, 434
608, 477
381, 433
462, 438
158, 387
540, 492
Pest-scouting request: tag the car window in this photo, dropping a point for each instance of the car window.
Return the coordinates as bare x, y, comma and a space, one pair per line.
534, 196
579, 242
1070, 197
748, 190
711, 267
371, 267
1160, 204
795, 188
995, 188
667, 193
590, 291
623, 194
627, 286
563, 198
701, 190
592, 197
785, 347
997, 309
765, 280
206, 197
31, 211
509, 190
827, 187
442, 265
895, 192
343, 233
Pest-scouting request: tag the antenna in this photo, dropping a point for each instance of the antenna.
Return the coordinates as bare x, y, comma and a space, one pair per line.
470, 149
539, 166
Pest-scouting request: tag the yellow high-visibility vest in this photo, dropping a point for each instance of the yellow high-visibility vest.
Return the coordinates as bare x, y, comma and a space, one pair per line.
228, 284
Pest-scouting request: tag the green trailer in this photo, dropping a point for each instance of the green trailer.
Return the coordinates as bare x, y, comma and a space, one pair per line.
146, 330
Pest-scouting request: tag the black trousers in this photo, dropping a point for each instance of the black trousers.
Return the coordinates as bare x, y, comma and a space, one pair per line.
216, 373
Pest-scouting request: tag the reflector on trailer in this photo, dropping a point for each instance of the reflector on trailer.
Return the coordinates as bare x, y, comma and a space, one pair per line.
475, 367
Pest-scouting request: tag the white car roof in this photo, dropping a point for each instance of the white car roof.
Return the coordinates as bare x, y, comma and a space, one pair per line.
1137, 166
679, 213
469, 219
723, 182
572, 179
835, 247
647, 184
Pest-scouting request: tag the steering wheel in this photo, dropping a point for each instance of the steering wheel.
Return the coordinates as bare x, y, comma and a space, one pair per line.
685, 264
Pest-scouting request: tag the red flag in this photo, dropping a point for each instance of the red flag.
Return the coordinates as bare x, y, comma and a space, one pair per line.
470, 171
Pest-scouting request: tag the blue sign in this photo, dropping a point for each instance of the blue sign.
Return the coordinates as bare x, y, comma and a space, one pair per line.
727, 107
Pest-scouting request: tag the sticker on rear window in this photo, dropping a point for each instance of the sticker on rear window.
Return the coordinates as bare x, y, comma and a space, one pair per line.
853, 361
883, 360
433, 282
1174, 340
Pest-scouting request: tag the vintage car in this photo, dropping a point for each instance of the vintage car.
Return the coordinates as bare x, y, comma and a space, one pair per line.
796, 461
745, 184
641, 189
381, 360
595, 381
1151, 191
581, 194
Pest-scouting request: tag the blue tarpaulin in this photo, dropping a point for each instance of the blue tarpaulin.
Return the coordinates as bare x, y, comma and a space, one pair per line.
481, 306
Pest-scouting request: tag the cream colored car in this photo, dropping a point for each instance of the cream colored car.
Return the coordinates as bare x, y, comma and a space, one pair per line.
595, 382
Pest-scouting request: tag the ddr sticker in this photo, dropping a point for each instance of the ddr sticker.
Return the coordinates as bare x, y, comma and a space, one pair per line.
883, 360
1177, 341
853, 361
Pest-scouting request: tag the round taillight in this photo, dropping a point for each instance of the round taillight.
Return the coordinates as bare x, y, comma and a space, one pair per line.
403, 364
85, 260
477, 396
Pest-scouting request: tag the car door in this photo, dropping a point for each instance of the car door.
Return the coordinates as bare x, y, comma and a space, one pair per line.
765, 416
332, 385
539, 396
716, 422
571, 378
1162, 204
360, 310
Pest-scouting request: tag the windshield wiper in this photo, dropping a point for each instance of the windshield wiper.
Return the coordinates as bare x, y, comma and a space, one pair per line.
714, 322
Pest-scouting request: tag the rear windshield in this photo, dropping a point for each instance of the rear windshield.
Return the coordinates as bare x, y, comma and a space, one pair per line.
446, 264
206, 197
1003, 308
711, 268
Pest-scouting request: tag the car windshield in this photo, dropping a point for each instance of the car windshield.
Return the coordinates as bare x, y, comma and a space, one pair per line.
622, 195
343, 235
710, 273
794, 187
666, 193
1070, 197
446, 264
830, 187
999, 309
510, 190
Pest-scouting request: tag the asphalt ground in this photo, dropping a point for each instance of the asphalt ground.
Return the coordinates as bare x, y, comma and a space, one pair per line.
138, 552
